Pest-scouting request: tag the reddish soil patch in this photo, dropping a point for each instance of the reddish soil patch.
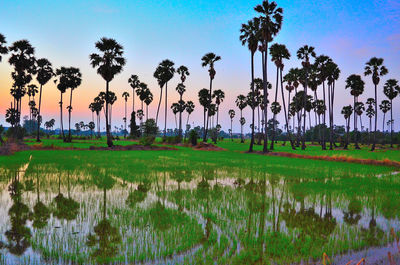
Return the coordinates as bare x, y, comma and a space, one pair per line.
132, 147
12, 147
207, 147
384, 162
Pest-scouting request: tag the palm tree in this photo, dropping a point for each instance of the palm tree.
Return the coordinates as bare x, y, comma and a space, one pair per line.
98, 106
125, 95
219, 96
204, 101
347, 111
112, 98
241, 103
69, 78
231, 113
183, 71
258, 86
385, 106
147, 101
31, 92
333, 73
370, 113
271, 23
134, 83
164, 72
23, 60
175, 110
304, 53
109, 63
44, 74
189, 109
375, 68
209, 60
62, 88
3, 47
180, 88
359, 110
279, 52
391, 89
249, 35
275, 109
356, 85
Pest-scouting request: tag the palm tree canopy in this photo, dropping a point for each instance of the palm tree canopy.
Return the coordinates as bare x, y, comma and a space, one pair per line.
304, 53
391, 89
321, 64
210, 59
204, 96
44, 71
347, 111
275, 107
375, 68
231, 113
270, 19
359, 108
110, 61
370, 112
32, 90
189, 107
164, 72
125, 95
249, 34
3, 47
241, 102
279, 52
183, 71
68, 77
370, 101
356, 85
134, 81
23, 60
219, 96
385, 106
175, 108
180, 88
149, 97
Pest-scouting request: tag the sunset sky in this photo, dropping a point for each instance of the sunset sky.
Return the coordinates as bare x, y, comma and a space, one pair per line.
350, 32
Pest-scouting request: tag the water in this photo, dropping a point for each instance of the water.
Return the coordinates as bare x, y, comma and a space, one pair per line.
182, 212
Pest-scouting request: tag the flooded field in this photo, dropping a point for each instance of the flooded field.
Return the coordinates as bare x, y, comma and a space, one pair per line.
179, 211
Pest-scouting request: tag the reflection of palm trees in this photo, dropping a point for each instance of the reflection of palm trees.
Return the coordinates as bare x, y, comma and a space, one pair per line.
66, 208
138, 195
106, 236
352, 215
41, 212
19, 234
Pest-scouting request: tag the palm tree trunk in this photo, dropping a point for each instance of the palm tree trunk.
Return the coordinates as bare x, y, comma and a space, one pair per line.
180, 122
265, 82
355, 125
231, 130
133, 99
391, 123
323, 118
274, 117
38, 119
69, 117
303, 145
61, 117
209, 103
165, 114
125, 119
159, 104
109, 139
252, 107
376, 119
241, 128
383, 124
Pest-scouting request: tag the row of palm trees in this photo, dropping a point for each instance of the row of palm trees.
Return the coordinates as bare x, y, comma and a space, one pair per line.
323, 72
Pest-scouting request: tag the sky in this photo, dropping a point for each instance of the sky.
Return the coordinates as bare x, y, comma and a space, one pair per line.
65, 32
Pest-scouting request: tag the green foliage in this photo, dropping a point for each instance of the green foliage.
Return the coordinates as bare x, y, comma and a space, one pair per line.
193, 136
150, 128
135, 132
147, 140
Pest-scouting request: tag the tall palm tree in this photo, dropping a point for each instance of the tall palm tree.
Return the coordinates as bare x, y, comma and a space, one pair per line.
347, 111
375, 68
385, 106
204, 101
231, 113
134, 83
183, 71
333, 73
180, 88
304, 53
275, 109
209, 60
142, 92
3, 47
44, 74
98, 106
149, 98
175, 110
125, 95
112, 98
370, 113
109, 63
62, 88
249, 35
356, 85
271, 23
391, 90
241, 103
69, 78
164, 72
258, 86
219, 96
359, 110
23, 60
31, 92
189, 109
279, 52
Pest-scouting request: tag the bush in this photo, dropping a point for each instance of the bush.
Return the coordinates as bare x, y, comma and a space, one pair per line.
147, 140
150, 128
193, 137
17, 132
172, 139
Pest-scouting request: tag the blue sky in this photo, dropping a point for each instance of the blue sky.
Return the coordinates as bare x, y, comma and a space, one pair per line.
65, 32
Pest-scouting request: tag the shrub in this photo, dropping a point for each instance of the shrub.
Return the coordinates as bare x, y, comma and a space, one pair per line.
193, 137
17, 132
147, 140
150, 128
